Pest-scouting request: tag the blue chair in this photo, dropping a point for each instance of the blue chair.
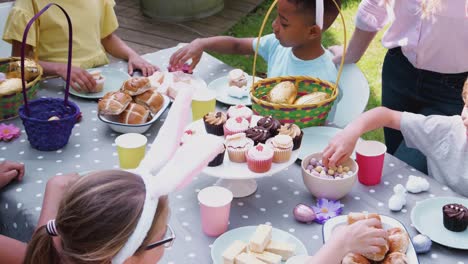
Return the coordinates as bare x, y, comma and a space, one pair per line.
5, 48
352, 99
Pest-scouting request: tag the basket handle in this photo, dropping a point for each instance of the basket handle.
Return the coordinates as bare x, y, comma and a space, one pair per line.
263, 27
23, 47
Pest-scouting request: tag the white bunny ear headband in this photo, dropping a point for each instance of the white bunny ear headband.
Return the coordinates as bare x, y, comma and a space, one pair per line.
167, 166
319, 10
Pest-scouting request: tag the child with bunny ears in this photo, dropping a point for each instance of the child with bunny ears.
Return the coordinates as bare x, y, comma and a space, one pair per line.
121, 216
294, 49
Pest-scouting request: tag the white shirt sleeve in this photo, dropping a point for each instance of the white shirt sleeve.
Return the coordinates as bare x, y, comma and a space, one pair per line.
372, 15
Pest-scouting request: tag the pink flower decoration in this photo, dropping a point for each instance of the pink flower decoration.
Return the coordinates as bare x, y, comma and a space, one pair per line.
9, 132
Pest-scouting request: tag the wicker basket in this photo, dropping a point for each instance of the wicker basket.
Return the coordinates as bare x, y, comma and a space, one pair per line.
44, 133
10, 103
303, 115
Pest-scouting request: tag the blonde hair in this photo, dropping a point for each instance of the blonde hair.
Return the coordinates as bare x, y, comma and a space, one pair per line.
95, 218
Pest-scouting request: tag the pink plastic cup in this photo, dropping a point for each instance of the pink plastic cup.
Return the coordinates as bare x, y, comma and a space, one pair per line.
370, 157
215, 205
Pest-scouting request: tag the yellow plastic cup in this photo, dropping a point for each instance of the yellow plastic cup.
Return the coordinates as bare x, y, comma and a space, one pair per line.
131, 148
203, 102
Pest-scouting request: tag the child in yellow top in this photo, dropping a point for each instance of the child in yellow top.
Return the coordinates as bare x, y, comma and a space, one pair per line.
94, 24
294, 49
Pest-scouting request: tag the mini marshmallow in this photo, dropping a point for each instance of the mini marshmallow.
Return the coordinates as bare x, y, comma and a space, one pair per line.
417, 184
399, 189
398, 200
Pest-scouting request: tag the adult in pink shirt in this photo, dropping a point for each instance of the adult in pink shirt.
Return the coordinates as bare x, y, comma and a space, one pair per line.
426, 63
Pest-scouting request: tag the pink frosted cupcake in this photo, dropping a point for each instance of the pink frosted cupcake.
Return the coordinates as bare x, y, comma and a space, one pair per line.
237, 146
282, 146
240, 111
235, 125
260, 158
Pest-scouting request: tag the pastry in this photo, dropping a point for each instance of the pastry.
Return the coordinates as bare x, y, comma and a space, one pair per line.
235, 249
150, 99
245, 258
260, 158
353, 258
10, 86
218, 160
260, 238
398, 240
312, 98
354, 217
270, 123
214, 122
113, 103
282, 146
268, 257
455, 217
235, 125
396, 258
99, 80
294, 131
240, 110
156, 79
30, 68
136, 85
237, 78
285, 250
258, 134
237, 146
283, 93
135, 114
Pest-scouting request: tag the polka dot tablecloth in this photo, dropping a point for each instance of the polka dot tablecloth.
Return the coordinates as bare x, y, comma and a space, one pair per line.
91, 147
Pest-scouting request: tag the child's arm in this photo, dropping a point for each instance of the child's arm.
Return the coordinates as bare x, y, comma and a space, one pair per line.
119, 49
342, 145
361, 237
10, 170
12, 251
221, 44
80, 79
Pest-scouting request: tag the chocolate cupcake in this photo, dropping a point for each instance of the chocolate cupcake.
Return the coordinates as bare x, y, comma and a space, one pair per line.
218, 160
214, 122
294, 131
258, 134
270, 123
455, 217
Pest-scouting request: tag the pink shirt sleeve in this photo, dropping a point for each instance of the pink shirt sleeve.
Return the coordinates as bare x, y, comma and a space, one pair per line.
372, 15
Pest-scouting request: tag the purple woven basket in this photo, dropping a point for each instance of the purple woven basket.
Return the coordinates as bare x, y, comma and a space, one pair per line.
43, 134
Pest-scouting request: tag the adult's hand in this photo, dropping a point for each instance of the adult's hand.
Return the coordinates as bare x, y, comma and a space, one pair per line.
10, 170
337, 51
80, 79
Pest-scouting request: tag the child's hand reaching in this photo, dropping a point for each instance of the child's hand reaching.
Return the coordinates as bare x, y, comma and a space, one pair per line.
361, 237
193, 51
10, 170
339, 148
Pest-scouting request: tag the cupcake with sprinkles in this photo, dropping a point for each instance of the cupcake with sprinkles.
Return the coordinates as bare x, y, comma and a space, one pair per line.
258, 134
270, 123
455, 217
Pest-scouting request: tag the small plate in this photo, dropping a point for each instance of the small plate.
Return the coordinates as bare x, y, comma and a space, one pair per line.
434, 229
244, 234
316, 139
387, 223
125, 128
221, 87
114, 80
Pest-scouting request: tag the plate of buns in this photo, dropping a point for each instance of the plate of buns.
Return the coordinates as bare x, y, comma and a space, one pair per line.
398, 250
256, 245
107, 80
134, 108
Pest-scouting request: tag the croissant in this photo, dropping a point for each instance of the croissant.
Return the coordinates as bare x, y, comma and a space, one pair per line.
396, 258
136, 85
152, 100
113, 103
135, 114
398, 240
354, 217
353, 258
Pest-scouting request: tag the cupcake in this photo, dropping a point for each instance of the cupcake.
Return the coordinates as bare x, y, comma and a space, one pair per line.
282, 146
294, 132
260, 158
99, 80
240, 111
214, 122
235, 125
455, 217
258, 134
237, 146
270, 123
218, 160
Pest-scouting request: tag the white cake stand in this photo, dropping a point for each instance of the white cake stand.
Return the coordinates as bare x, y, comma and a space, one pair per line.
236, 176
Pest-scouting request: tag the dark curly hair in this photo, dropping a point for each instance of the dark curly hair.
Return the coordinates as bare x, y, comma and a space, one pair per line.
308, 8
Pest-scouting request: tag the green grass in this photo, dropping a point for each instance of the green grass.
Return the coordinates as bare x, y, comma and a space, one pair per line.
370, 64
